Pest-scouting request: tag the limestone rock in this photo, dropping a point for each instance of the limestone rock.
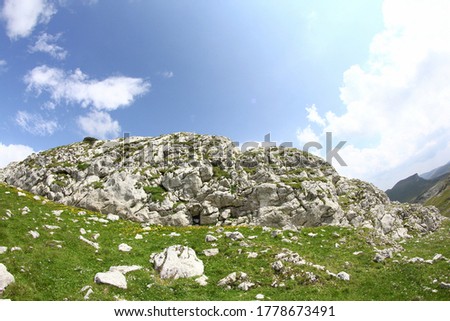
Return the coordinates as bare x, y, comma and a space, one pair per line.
343, 276
113, 278
125, 247
184, 179
211, 252
6, 278
235, 236
3, 249
178, 261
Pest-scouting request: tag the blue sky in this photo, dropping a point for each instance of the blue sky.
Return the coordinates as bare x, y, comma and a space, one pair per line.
242, 69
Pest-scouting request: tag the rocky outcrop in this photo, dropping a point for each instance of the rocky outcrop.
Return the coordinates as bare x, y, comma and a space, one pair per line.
183, 179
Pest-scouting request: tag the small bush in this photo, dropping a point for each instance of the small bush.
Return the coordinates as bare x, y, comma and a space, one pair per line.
158, 193
89, 140
83, 166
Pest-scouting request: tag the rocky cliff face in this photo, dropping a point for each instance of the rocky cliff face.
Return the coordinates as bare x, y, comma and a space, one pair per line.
184, 178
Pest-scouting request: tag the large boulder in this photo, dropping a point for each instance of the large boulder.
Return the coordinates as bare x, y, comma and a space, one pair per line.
178, 261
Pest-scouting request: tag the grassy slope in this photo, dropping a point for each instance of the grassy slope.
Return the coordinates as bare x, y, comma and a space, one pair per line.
45, 272
441, 201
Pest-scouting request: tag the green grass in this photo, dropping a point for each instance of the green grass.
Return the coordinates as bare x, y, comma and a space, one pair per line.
158, 193
219, 172
83, 166
43, 271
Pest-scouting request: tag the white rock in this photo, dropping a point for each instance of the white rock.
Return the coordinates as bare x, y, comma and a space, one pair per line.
438, 257
93, 244
20, 194
245, 286
51, 227
259, 296
174, 234
125, 247
88, 294
124, 269
112, 217
115, 278
82, 231
312, 234
16, 248
252, 255
34, 234
232, 278
3, 249
444, 285
211, 252
252, 237
57, 212
139, 237
343, 276
178, 261
210, 238
357, 252
202, 280
6, 278
36, 198
277, 266
235, 236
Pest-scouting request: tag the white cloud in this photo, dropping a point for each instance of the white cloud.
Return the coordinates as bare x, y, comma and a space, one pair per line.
22, 16
76, 87
13, 153
47, 43
313, 116
307, 135
167, 74
35, 124
99, 124
397, 114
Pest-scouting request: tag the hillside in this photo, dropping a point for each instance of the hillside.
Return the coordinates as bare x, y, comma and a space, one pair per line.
437, 172
185, 179
41, 245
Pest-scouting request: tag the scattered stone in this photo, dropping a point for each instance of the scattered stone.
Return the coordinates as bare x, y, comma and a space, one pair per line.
438, 257
114, 278
112, 217
82, 231
416, 260
124, 269
232, 279
34, 234
211, 252
235, 236
210, 238
93, 244
25, 210
57, 212
36, 198
444, 285
20, 194
252, 237
244, 244
276, 233
88, 294
139, 237
252, 255
16, 248
178, 261
343, 276
357, 252
266, 229
277, 266
311, 277
259, 296
286, 240
312, 234
3, 249
6, 278
125, 247
202, 280
245, 286
51, 227
174, 234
